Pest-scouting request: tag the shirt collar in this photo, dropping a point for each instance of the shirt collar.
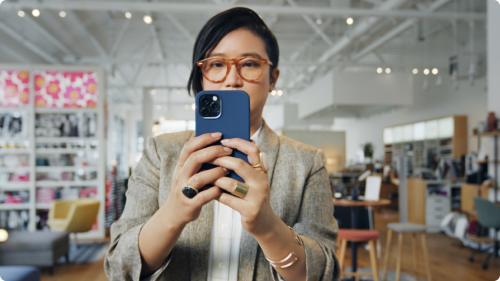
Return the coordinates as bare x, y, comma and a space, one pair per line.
255, 136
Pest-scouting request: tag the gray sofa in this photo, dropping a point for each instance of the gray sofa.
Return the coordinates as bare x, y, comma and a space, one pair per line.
20, 273
40, 248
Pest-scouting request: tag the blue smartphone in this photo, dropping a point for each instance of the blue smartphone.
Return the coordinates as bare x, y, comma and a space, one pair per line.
227, 112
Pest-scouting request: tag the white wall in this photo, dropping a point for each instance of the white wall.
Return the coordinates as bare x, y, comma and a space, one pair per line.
493, 39
432, 103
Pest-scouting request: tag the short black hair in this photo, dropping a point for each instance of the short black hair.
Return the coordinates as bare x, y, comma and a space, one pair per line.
218, 27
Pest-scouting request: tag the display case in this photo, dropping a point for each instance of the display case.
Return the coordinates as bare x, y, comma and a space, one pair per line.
52, 142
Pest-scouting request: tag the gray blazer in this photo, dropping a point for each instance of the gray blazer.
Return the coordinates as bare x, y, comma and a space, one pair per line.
300, 196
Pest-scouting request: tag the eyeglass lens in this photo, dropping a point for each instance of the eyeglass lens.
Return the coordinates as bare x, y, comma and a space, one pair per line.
249, 68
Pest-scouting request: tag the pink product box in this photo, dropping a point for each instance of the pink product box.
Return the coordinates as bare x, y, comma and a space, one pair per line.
45, 195
19, 178
92, 193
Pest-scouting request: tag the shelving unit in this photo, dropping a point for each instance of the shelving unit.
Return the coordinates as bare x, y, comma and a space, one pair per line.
92, 148
419, 142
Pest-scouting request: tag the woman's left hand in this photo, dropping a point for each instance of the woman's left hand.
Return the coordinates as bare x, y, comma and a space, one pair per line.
257, 216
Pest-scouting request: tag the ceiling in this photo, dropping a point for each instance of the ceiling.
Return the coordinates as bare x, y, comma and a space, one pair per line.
314, 38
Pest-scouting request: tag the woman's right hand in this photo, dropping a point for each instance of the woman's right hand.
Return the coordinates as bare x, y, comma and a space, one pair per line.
180, 209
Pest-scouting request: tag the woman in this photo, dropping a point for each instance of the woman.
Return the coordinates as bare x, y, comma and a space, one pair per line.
164, 235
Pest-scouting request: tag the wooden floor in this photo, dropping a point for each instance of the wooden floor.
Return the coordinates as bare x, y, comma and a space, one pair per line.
449, 260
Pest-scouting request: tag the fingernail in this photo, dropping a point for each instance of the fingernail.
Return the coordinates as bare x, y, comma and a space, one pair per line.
226, 171
216, 135
224, 141
227, 149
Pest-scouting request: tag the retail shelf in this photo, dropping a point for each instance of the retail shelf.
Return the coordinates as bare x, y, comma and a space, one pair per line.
65, 110
15, 169
66, 183
61, 150
9, 110
15, 186
43, 206
8, 139
20, 206
48, 169
63, 139
488, 134
14, 150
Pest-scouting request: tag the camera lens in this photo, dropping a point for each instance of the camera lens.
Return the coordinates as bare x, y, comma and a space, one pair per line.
204, 100
214, 106
205, 112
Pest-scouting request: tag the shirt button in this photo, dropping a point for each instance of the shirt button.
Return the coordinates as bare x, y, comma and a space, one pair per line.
221, 265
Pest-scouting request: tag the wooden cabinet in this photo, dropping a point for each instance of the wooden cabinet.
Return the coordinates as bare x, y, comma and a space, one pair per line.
468, 192
428, 202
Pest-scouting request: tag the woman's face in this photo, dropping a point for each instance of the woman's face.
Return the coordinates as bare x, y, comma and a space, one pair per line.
237, 44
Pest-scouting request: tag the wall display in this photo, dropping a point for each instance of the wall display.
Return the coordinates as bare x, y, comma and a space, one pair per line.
52, 143
14, 88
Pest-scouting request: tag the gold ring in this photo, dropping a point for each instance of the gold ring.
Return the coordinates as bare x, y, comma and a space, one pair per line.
263, 162
189, 191
240, 189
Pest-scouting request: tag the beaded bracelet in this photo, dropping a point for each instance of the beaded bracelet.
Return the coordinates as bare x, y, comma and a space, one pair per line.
291, 258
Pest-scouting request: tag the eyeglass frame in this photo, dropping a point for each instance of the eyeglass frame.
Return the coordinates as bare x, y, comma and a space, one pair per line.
236, 62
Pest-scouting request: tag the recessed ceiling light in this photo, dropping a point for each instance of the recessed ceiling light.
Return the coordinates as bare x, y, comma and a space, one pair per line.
273, 93
349, 21
21, 14
128, 15
62, 14
280, 93
426, 71
435, 71
415, 71
319, 21
388, 70
148, 19
380, 70
35, 13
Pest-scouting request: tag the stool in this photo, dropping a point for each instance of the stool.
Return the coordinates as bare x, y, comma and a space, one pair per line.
359, 235
414, 230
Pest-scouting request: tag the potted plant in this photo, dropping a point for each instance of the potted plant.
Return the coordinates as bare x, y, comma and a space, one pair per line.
368, 150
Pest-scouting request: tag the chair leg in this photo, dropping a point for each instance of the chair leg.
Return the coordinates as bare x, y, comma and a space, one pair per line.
485, 264
387, 249
373, 259
343, 247
426, 256
414, 246
400, 255
76, 242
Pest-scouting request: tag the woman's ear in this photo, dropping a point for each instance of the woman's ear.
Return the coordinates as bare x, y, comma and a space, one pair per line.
274, 79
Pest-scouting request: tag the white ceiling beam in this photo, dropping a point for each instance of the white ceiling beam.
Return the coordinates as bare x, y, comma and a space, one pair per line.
119, 39
207, 8
309, 41
91, 37
141, 65
396, 31
48, 36
359, 30
14, 54
180, 27
312, 24
30, 45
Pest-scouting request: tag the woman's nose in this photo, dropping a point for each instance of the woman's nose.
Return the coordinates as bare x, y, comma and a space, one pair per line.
233, 79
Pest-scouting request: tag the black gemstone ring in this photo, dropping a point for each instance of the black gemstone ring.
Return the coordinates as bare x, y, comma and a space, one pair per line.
189, 191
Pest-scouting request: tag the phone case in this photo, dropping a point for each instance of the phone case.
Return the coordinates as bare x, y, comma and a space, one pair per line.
233, 122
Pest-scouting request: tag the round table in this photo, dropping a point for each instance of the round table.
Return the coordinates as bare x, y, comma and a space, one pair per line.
353, 204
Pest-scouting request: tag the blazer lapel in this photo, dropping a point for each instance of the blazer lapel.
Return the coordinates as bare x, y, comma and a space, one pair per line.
269, 144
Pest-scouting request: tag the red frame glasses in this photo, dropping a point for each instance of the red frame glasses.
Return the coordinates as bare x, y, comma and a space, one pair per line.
236, 62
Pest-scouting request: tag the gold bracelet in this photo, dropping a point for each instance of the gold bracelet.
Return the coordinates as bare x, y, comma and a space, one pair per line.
291, 258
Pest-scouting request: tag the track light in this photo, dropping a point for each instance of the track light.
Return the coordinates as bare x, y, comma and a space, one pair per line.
62, 14
388, 70
426, 71
148, 19
380, 70
21, 14
128, 15
35, 13
435, 71
415, 71
280, 93
273, 93
349, 21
